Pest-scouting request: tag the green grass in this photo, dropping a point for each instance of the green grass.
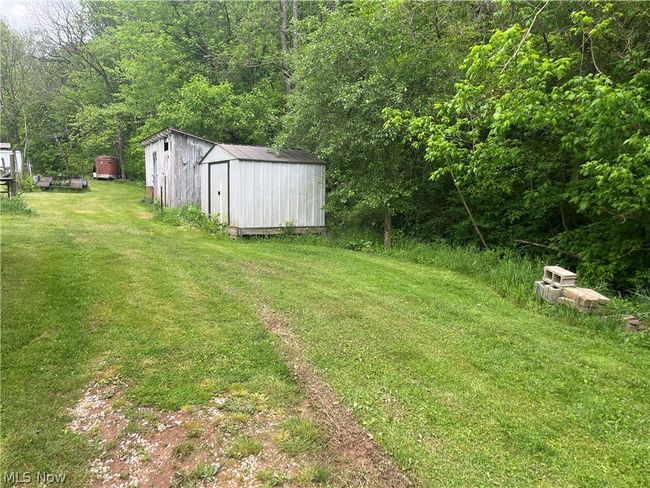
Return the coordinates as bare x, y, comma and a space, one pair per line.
460, 383
298, 436
244, 446
507, 271
319, 473
91, 284
14, 206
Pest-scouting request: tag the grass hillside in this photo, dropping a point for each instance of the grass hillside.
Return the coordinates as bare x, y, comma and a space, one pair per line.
459, 385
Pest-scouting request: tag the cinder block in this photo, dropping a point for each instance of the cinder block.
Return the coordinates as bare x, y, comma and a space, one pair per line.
539, 287
547, 292
586, 299
551, 294
559, 277
566, 302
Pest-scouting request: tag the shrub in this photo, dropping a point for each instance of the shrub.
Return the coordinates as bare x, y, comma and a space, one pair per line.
360, 245
289, 228
14, 206
190, 215
26, 184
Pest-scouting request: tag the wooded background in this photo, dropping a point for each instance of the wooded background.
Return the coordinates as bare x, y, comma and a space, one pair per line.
504, 124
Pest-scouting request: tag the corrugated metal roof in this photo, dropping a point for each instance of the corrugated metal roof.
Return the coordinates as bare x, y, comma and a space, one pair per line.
242, 151
166, 133
261, 153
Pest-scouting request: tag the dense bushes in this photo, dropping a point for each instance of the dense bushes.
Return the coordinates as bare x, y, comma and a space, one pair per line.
546, 144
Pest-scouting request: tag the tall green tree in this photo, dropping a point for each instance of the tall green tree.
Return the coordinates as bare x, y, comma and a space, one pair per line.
359, 59
549, 138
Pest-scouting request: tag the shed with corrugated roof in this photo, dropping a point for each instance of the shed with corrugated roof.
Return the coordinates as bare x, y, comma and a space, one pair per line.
262, 190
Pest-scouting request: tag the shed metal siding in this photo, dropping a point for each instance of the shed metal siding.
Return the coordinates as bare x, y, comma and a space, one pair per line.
218, 190
271, 194
217, 154
203, 172
235, 205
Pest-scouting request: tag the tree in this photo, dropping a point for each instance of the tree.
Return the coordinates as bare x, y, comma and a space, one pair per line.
67, 31
361, 58
546, 141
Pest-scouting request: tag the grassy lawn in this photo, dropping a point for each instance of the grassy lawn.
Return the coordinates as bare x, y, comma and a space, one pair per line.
459, 385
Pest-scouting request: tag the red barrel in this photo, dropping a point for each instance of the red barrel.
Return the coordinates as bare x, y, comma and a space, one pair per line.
106, 168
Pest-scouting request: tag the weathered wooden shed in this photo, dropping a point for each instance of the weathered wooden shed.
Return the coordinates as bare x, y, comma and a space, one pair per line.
172, 166
259, 190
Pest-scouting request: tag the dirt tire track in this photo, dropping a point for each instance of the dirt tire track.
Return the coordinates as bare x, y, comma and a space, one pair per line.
362, 460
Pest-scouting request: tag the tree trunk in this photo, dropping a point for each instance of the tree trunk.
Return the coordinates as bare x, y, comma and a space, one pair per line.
228, 23
25, 139
388, 230
120, 152
295, 24
284, 45
469, 212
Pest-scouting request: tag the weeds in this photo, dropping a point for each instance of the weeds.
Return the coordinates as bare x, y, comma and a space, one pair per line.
202, 472
298, 436
240, 417
240, 405
289, 228
231, 427
205, 471
273, 478
190, 215
194, 429
14, 206
26, 184
183, 450
318, 473
244, 446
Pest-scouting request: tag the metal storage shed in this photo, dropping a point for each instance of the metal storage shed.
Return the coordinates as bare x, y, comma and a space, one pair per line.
171, 161
259, 190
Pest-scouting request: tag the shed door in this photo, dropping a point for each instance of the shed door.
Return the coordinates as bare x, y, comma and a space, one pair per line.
218, 191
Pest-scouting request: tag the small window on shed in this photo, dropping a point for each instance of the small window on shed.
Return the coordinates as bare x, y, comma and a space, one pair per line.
166, 144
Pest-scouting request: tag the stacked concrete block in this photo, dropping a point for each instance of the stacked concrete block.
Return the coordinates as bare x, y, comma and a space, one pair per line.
554, 281
547, 292
559, 277
559, 286
585, 299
